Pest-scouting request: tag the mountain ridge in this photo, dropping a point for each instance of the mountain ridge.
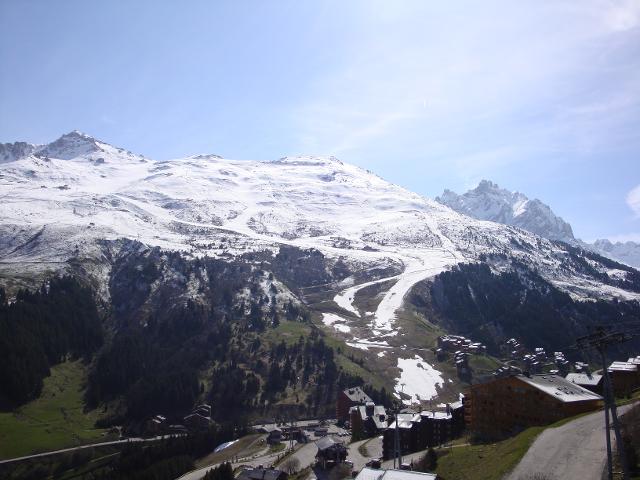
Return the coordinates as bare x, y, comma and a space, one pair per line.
309, 234
488, 201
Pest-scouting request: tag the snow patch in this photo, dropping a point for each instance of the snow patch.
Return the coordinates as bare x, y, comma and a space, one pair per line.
417, 379
335, 321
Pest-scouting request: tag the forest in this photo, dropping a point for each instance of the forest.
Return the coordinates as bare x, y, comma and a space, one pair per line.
41, 329
491, 307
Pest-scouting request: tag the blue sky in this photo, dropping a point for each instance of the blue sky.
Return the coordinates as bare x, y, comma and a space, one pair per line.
541, 97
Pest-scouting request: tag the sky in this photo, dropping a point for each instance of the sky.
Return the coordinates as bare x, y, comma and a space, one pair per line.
542, 97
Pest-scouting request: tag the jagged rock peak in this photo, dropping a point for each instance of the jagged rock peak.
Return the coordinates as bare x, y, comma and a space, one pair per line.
71, 145
10, 152
490, 202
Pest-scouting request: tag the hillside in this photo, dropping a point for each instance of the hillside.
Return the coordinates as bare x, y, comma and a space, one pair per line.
202, 266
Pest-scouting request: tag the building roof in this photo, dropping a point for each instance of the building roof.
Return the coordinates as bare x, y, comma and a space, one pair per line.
592, 380
198, 417
559, 388
623, 367
375, 474
270, 429
326, 442
436, 415
357, 395
405, 420
260, 474
379, 415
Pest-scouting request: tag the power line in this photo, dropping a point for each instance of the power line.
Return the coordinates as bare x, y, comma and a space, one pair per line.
602, 338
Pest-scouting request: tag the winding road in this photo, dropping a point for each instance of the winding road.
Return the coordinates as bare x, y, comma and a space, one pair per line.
89, 445
574, 450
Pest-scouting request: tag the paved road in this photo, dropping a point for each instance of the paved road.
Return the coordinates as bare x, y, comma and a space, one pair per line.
374, 450
574, 450
81, 447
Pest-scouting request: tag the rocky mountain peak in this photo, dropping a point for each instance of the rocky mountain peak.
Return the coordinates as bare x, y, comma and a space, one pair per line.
490, 202
10, 152
71, 145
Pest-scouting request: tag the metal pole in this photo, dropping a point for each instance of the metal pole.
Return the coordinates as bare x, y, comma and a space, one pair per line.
616, 425
614, 416
396, 439
607, 427
599, 340
606, 419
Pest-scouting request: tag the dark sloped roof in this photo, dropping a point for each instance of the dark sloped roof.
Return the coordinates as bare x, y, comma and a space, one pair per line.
378, 411
326, 442
357, 395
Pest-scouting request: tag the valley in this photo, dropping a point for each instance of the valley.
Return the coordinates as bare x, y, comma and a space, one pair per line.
263, 289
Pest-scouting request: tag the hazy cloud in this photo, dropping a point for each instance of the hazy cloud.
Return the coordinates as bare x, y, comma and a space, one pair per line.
627, 237
633, 200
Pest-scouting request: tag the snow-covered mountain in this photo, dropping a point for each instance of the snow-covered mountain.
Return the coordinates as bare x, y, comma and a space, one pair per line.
490, 202
70, 206
625, 252
63, 199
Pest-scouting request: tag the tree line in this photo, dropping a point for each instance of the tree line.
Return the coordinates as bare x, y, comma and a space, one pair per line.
42, 328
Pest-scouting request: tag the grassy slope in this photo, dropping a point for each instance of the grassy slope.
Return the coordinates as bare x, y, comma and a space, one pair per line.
486, 462
415, 332
493, 460
55, 420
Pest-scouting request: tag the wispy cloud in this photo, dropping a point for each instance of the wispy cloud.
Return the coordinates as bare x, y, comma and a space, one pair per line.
622, 15
633, 201
626, 237
539, 77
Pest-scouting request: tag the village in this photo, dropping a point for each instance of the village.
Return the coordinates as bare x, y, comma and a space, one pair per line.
368, 441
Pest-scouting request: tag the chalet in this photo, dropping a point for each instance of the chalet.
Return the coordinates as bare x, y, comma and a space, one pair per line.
195, 422
367, 420
561, 362
457, 343
204, 410
177, 429
351, 397
635, 360
299, 435
590, 381
507, 405
156, 425
625, 376
274, 434
260, 473
330, 452
376, 474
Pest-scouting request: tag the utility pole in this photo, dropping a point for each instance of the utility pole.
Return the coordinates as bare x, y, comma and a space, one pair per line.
397, 454
600, 340
291, 434
396, 439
